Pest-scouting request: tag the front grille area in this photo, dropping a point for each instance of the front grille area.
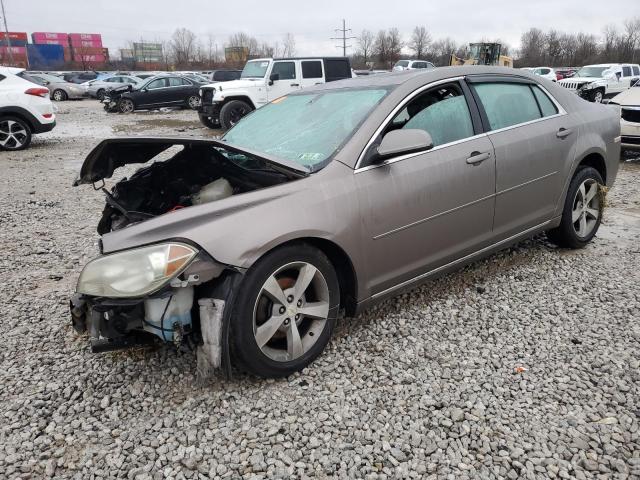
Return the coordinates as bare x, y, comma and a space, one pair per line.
207, 96
572, 85
631, 115
631, 140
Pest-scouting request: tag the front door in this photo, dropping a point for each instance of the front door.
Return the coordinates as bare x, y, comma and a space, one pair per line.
152, 94
286, 80
422, 211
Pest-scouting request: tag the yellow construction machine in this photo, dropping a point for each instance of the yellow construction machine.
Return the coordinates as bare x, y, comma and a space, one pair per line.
483, 54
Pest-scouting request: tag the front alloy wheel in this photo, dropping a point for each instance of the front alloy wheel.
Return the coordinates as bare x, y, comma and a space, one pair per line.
285, 311
126, 105
194, 102
14, 134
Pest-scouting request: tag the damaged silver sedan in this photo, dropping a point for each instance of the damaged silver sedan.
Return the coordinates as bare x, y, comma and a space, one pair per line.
329, 200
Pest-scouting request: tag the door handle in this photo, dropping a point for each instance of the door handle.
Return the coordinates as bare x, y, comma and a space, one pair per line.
478, 157
563, 132
295, 85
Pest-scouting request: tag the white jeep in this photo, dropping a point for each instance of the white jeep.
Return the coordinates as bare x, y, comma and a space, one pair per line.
262, 80
596, 82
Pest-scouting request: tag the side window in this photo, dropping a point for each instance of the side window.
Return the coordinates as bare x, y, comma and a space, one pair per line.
442, 112
286, 70
336, 69
626, 71
507, 104
312, 69
159, 83
547, 107
419, 65
219, 76
636, 70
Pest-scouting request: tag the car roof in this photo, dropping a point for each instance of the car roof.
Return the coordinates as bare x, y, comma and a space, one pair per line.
11, 70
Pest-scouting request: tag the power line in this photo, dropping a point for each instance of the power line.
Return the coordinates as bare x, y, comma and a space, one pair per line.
344, 37
6, 30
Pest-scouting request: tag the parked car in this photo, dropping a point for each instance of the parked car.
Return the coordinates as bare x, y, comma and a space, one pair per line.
197, 78
629, 102
97, 88
157, 92
597, 82
262, 80
25, 109
411, 65
80, 77
565, 72
60, 89
333, 198
546, 72
145, 76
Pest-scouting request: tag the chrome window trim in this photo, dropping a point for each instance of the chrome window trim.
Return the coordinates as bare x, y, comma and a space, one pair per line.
358, 169
399, 107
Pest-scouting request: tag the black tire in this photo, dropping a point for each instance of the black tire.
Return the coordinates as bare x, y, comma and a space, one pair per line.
244, 345
15, 132
59, 95
192, 102
209, 123
596, 96
232, 111
126, 105
565, 235
100, 94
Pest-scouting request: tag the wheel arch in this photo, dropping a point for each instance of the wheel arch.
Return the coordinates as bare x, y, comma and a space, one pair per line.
244, 98
20, 113
347, 277
595, 160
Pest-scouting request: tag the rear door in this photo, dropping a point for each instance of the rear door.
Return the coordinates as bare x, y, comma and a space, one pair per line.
534, 141
312, 73
423, 210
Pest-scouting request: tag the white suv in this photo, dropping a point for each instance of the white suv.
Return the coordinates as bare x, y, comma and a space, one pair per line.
545, 72
223, 104
25, 109
596, 82
411, 65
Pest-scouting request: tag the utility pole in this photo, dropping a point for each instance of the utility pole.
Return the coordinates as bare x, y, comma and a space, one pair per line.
6, 31
344, 30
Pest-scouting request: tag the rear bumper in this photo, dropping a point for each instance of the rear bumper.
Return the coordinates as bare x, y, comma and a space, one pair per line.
630, 143
43, 127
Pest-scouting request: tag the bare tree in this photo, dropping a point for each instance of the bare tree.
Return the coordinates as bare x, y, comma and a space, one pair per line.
243, 40
420, 40
365, 45
289, 45
183, 47
440, 51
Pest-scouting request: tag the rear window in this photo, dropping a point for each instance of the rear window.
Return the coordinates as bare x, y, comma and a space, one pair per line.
508, 104
547, 107
336, 69
636, 70
311, 69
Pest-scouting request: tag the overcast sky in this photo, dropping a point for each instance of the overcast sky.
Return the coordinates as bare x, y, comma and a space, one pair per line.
313, 22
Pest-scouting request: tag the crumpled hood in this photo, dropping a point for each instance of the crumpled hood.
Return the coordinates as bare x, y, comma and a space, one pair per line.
630, 97
114, 153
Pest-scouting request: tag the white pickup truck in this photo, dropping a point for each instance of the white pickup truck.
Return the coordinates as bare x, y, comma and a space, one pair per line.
263, 80
596, 82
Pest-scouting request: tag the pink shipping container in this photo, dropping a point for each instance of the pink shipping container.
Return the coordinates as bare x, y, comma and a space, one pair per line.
86, 44
47, 37
19, 51
86, 37
53, 42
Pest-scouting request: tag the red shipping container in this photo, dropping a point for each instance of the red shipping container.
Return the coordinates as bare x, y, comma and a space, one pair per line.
85, 44
89, 37
21, 36
52, 42
37, 36
87, 50
14, 50
68, 54
98, 58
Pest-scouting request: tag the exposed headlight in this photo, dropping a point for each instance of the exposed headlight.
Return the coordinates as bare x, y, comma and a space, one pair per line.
135, 273
200, 92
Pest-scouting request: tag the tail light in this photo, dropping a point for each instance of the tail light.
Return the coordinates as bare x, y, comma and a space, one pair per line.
559, 76
37, 92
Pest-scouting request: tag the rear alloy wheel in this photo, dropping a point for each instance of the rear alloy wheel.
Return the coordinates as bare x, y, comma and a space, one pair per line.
284, 315
125, 105
582, 211
232, 112
15, 134
100, 94
59, 95
193, 102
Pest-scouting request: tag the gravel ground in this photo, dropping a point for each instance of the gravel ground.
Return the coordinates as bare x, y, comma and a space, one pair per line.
525, 365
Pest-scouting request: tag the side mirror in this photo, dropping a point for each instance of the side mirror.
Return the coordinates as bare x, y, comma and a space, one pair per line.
274, 77
46, 82
398, 142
